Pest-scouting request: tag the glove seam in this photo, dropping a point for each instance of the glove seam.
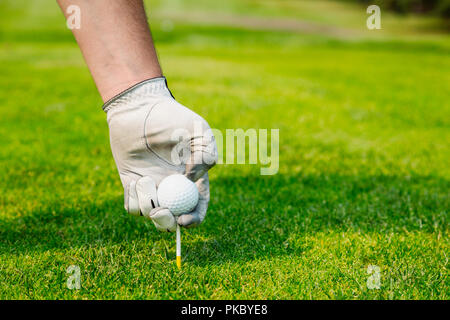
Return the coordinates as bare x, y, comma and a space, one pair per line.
149, 148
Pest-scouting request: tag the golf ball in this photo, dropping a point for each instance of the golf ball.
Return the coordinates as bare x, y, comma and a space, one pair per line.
178, 194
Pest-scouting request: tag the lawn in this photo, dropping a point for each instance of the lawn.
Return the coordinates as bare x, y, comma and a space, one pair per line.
363, 179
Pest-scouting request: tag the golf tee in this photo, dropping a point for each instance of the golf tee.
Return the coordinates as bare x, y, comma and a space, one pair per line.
178, 247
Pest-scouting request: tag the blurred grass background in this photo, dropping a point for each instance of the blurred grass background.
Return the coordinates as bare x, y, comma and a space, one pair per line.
439, 8
364, 171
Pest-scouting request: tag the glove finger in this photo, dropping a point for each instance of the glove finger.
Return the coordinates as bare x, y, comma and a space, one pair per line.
147, 196
131, 200
163, 219
197, 216
203, 155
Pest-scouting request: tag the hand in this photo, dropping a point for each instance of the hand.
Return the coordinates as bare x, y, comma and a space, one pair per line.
153, 136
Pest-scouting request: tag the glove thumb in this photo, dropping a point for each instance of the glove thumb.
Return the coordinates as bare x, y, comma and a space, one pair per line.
163, 219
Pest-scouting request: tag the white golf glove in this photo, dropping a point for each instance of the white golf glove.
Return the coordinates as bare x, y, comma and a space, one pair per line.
153, 136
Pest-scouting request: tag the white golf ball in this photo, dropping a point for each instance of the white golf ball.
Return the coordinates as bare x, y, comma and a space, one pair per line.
178, 194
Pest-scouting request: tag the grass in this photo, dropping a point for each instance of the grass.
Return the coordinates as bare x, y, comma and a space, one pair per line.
363, 179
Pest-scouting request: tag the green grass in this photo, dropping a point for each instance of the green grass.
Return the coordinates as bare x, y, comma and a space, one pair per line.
364, 171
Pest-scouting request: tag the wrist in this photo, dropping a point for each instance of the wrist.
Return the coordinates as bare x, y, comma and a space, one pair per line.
139, 90
109, 90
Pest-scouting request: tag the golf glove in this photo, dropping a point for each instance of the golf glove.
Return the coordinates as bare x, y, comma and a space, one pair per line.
153, 136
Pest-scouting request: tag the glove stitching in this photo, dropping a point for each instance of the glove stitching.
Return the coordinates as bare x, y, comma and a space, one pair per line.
149, 148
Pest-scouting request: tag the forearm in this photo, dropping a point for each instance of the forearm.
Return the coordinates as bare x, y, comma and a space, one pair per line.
116, 43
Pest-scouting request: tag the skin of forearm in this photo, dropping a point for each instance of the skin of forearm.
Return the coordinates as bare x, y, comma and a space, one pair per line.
115, 40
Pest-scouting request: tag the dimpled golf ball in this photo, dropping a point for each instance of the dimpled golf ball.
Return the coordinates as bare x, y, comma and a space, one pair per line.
178, 194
